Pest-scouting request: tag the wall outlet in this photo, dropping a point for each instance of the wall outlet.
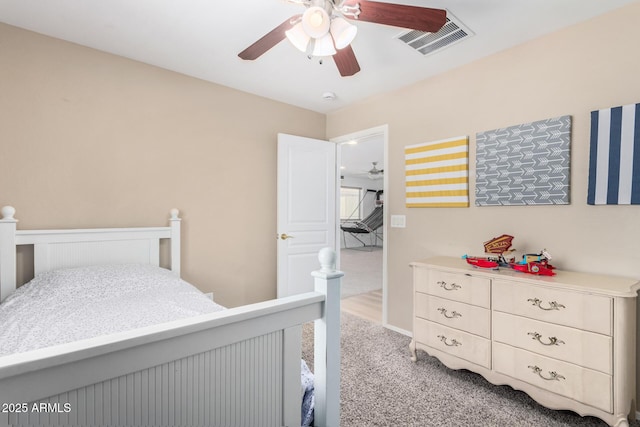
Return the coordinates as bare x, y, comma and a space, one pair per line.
398, 221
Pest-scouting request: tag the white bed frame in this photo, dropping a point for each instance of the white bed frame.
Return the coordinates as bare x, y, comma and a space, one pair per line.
239, 367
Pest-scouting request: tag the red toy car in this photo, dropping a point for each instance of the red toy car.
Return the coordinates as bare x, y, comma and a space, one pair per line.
535, 264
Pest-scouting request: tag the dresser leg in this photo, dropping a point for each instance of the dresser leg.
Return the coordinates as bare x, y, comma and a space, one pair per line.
412, 348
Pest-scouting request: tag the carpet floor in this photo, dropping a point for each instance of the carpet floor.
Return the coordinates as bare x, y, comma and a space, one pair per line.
380, 386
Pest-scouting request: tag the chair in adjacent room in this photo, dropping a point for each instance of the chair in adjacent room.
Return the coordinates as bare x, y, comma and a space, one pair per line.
368, 225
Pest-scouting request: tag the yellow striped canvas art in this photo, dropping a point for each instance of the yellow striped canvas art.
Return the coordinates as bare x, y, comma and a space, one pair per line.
437, 174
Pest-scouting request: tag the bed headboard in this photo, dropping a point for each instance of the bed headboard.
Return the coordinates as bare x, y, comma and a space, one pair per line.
54, 249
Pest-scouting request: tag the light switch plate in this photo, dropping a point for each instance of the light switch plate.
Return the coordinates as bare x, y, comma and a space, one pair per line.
398, 221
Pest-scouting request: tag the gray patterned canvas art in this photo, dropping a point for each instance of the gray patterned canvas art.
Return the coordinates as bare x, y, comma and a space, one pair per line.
527, 164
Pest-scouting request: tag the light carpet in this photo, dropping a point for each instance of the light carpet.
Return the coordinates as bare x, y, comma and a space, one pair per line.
382, 387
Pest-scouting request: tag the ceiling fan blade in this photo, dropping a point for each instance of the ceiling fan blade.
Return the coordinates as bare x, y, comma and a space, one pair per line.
398, 15
346, 62
269, 40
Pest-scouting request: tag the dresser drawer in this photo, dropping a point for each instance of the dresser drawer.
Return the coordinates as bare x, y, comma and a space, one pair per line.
458, 315
452, 341
588, 349
583, 311
454, 286
584, 385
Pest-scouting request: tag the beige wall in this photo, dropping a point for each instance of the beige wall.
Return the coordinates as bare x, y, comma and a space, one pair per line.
90, 139
586, 67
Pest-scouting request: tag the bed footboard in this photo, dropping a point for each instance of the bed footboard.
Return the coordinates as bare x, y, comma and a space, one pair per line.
235, 385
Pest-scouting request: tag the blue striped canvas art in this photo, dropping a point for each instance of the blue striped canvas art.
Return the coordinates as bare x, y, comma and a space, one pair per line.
614, 158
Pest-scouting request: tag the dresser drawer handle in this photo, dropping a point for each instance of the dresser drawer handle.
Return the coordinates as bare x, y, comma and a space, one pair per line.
453, 315
448, 287
553, 305
553, 375
454, 342
552, 340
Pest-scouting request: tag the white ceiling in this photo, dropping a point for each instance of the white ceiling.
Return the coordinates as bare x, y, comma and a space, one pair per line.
202, 38
356, 159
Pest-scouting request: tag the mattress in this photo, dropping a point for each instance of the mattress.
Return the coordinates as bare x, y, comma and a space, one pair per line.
68, 305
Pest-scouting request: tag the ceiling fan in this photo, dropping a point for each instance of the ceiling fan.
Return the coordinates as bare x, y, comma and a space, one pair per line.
374, 172
323, 29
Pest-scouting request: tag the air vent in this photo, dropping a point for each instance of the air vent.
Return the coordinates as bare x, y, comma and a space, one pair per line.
427, 43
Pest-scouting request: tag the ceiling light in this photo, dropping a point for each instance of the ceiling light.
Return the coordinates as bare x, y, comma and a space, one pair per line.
324, 46
298, 37
343, 32
319, 33
316, 22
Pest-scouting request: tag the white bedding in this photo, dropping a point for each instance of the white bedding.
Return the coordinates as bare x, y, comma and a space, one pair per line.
73, 304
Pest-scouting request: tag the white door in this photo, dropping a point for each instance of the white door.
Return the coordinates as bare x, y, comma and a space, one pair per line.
307, 211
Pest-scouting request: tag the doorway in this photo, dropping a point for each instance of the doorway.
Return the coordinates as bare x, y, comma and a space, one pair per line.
363, 255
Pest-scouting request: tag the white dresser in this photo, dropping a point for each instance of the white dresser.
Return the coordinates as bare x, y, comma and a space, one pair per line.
569, 340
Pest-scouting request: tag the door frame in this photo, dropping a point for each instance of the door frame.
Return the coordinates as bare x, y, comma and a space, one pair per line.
384, 131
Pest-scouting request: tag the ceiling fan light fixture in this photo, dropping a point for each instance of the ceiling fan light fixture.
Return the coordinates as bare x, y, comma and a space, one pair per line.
375, 173
321, 39
316, 22
343, 32
324, 46
298, 37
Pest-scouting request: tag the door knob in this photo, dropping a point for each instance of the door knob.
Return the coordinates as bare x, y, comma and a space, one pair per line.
285, 236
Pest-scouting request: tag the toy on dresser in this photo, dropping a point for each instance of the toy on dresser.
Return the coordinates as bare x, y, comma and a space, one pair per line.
499, 246
535, 264
496, 247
